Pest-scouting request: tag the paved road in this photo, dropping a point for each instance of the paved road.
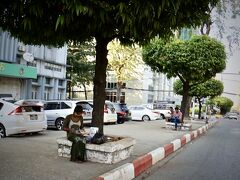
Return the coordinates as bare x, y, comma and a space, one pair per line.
214, 156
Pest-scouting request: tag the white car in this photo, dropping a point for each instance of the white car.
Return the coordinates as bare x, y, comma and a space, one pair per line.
164, 113
23, 116
143, 113
110, 114
57, 110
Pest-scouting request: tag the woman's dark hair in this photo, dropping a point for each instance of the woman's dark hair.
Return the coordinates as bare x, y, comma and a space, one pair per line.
78, 109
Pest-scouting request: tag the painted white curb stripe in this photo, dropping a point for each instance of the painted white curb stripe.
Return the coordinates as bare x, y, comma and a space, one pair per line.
188, 137
176, 144
124, 172
157, 155
204, 128
195, 134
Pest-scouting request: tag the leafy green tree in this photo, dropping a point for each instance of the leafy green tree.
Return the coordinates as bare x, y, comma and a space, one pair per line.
225, 104
193, 61
134, 21
81, 68
210, 88
124, 62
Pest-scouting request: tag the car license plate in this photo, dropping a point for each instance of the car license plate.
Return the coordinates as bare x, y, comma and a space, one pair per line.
33, 117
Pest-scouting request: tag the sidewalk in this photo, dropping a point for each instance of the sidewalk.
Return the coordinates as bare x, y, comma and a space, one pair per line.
35, 157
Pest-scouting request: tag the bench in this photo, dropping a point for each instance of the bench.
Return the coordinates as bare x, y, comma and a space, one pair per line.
184, 126
108, 153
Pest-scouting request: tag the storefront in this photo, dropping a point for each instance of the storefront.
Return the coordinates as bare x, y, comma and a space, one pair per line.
15, 79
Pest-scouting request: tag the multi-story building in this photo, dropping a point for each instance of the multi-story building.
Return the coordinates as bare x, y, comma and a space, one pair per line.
226, 28
31, 72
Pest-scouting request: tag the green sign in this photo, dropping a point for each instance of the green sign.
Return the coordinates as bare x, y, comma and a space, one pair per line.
17, 70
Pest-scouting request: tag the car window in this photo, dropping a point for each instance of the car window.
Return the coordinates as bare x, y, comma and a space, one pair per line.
124, 107
85, 105
66, 105
52, 106
109, 105
117, 107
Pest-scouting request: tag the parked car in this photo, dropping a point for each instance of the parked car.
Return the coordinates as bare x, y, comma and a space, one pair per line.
23, 116
231, 115
123, 113
164, 113
143, 113
110, 115
57, 110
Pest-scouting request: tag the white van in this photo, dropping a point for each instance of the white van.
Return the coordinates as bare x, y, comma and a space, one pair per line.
23, 116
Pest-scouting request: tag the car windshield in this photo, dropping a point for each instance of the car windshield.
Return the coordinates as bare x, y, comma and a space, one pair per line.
117, 107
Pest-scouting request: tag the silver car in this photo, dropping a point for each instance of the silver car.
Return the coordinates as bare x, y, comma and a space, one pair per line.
232, 115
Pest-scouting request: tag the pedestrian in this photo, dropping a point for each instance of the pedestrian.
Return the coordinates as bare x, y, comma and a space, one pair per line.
171, 114
73, 125
177, 117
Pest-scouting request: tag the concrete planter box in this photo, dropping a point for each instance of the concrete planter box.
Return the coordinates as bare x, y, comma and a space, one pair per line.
108, 153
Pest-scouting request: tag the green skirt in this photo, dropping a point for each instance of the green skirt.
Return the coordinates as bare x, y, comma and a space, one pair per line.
78, 150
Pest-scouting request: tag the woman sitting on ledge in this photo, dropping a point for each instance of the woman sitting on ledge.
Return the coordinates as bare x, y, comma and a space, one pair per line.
73, 125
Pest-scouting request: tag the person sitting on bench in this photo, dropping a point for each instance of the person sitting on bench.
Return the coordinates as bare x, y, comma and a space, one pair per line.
177, 117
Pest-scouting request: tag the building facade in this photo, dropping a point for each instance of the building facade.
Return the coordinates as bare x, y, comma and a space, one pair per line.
226, 28
31, 72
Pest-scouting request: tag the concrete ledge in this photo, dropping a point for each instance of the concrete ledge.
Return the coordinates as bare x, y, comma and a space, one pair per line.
185, 126
108, 153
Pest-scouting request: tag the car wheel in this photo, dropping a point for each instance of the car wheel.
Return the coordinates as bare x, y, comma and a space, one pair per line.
2, 131
120, 121
59, 123
146, 118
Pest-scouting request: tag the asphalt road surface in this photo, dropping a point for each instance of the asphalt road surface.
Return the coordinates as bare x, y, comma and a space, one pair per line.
214, 156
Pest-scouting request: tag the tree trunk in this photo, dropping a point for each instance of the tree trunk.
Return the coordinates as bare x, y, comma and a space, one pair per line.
119, 87
100, 82
188, 107
185, 100
200, 108
85, 91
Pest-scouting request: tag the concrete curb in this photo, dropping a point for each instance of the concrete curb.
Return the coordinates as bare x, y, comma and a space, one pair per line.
131, 170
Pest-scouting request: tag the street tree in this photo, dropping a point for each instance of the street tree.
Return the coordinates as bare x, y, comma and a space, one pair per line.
124, 62
209, 89
80, 58
193, 61
225, 104
134, 21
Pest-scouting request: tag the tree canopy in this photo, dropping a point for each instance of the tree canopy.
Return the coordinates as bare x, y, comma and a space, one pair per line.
80, 58
193, 61
55, 22
124, 62
225, 104
211, 88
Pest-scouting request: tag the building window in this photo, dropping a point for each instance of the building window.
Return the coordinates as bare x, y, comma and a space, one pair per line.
35, 80
52, 67
60, 82
111, 85
34, 93
150, 98
150, 88
34, 64
48, 80
47, 94
60, 95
